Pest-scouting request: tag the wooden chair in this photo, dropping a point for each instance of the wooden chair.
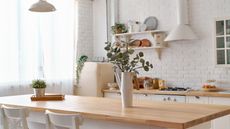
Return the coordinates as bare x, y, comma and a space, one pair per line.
62, 121
14, 117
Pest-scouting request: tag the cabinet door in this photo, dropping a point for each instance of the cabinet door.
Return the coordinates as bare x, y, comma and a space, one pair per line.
160, 98
169, 98
142, 97
197, 99
180, 99
223, 122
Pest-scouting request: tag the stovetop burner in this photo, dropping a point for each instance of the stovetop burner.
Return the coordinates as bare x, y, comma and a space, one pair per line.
176, 89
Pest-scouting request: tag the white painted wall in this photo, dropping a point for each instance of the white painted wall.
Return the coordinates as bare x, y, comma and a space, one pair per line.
186, 64
85, 28
99, 27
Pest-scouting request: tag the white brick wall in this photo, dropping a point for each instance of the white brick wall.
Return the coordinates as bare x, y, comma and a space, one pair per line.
85, 28
186, 64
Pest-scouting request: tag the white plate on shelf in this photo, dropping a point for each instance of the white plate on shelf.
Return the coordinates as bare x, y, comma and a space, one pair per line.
151, 23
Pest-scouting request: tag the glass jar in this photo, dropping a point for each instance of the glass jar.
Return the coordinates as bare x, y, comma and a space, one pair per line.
148, 84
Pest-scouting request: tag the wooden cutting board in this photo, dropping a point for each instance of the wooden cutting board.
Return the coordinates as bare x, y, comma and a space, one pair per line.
57, 97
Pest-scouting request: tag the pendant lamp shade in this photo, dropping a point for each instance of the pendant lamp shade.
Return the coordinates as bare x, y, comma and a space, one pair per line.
42, 6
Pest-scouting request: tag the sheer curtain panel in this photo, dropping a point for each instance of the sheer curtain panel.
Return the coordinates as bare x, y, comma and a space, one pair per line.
36, 45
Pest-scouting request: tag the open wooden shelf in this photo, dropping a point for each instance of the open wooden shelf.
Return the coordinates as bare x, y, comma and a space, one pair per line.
142, 48
157, 49
135, 33
127, 37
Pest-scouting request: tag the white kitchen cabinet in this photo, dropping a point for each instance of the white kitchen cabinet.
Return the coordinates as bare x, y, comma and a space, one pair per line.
143, 96
148, 97
113, 95
170, 98
223, 122
136, 96
197, 99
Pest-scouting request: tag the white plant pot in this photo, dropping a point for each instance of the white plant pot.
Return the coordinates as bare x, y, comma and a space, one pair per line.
126, 89
38, 92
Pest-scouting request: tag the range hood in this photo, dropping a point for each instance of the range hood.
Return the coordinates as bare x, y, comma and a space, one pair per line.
182, 31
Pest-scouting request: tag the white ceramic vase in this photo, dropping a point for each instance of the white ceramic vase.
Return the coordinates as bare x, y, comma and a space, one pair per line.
126, 89
38, 92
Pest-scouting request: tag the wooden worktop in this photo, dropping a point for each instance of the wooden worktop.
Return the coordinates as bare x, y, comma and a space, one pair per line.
163, 114
184, 93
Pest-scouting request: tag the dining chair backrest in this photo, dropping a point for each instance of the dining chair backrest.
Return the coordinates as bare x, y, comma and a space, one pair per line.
14, 117
60, 120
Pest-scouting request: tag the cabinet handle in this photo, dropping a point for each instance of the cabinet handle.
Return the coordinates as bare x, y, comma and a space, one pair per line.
119, 93
145, 95
174, 100
164, 99
169, 98
197, 97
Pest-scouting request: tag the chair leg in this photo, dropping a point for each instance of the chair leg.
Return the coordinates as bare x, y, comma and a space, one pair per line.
48, 125
3, 120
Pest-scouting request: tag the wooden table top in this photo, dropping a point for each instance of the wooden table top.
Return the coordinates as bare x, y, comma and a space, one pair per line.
163, 114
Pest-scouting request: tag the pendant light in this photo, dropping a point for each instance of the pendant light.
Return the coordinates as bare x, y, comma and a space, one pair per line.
42, 6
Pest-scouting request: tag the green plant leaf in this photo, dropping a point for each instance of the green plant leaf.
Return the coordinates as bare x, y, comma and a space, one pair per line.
147, 63
131, 51
146, 68
38, 84
109, 55
141, 54
107, 48
142, 60
120, 55
151, 66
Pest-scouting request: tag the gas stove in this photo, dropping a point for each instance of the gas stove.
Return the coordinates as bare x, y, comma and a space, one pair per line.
176, 89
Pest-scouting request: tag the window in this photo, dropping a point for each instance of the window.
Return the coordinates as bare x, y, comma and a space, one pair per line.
222, 42
36, 45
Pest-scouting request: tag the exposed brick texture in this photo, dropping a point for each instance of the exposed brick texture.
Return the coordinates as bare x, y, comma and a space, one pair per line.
85, 28
190, 63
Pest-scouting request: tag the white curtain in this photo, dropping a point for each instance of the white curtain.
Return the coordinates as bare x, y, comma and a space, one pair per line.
37, 45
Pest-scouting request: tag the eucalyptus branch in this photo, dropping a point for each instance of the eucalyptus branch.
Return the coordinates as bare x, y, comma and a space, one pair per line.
122, 58
138, 67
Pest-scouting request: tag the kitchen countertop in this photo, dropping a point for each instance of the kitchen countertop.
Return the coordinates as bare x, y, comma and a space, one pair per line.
163, 114
184, 93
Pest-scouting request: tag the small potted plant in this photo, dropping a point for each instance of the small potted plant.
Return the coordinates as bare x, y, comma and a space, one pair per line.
119, 28
39, 87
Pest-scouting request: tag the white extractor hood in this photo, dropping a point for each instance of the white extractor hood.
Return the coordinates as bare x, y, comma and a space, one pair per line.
182, 31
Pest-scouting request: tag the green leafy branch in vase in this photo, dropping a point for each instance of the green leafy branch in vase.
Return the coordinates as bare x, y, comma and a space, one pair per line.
122, 58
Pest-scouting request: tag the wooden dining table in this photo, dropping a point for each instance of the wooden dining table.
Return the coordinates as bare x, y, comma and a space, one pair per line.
105, 113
